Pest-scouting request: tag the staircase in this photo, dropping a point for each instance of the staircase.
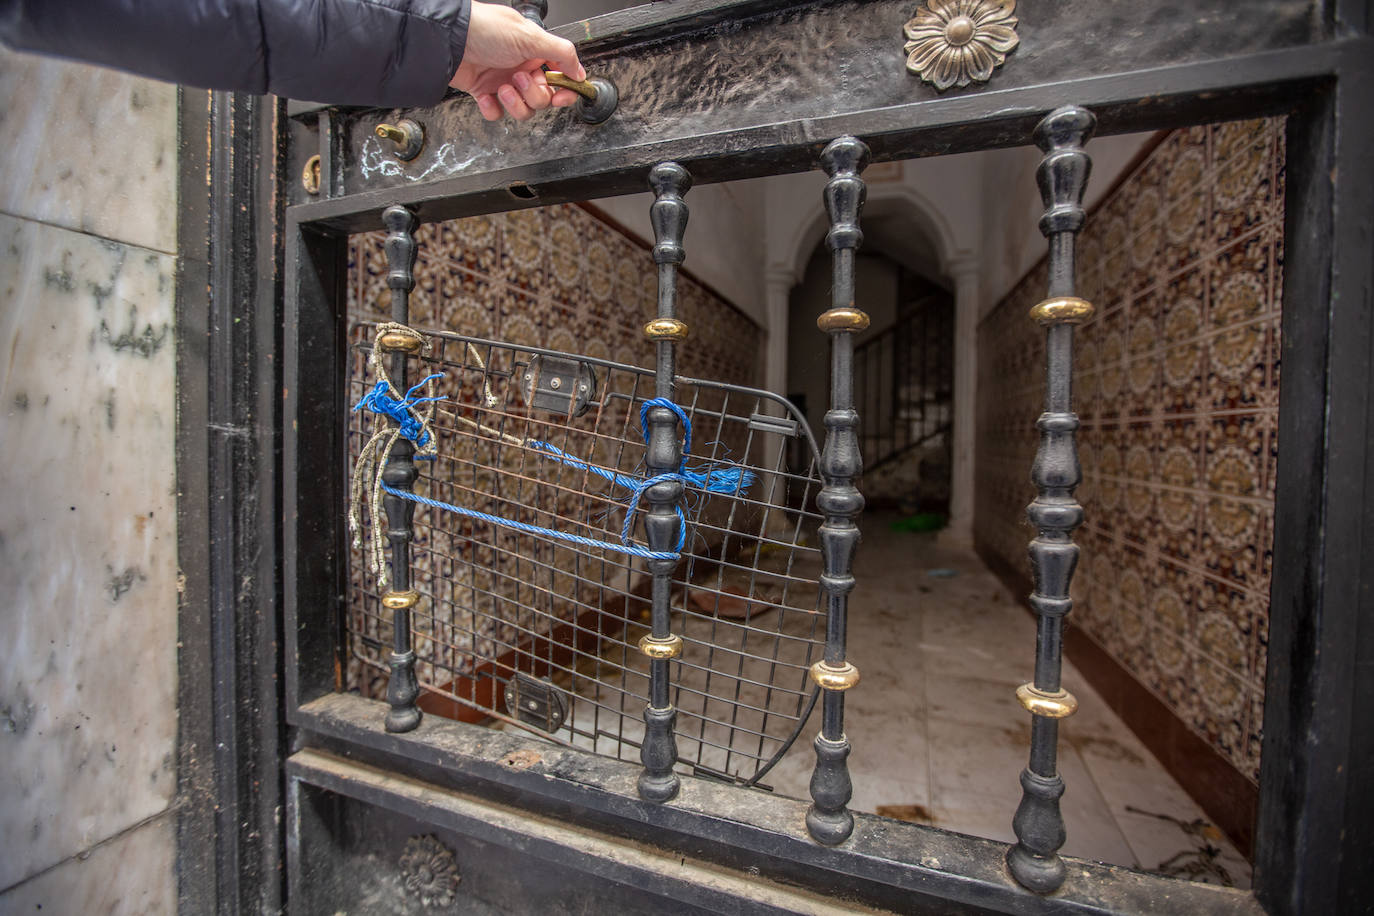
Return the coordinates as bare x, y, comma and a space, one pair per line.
904, 384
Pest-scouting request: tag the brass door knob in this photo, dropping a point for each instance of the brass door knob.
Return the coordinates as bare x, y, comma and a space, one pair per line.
599, 97
408, 136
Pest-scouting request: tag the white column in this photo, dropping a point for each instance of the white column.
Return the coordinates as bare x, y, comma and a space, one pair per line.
779, 282
963, 269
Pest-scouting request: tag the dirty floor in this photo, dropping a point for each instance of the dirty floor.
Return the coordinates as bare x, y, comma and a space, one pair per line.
937, 734
939, 738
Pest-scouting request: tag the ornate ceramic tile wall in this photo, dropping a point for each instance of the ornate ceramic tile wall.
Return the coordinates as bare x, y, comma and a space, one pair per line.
556, 277
1177, 387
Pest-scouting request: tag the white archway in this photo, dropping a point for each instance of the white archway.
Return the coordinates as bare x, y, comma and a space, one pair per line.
790, 247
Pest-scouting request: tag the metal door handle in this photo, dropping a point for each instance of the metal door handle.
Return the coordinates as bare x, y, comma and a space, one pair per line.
599, 96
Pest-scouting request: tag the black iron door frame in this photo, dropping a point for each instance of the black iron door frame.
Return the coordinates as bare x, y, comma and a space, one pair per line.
1316, 824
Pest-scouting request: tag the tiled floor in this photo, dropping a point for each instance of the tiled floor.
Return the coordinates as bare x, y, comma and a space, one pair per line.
938, 736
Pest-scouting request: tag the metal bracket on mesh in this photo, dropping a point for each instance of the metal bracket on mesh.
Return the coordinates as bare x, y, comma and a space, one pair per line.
782, 426
565, 387
535, 702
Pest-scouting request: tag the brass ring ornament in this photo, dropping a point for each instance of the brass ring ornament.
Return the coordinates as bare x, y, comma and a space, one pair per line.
400, 601
830, 678
1059, 704
668, 647
666, 329
1062, 310
850, 319
398, 340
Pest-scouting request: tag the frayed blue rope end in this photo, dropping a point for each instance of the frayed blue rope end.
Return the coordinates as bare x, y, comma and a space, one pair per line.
378, 400
711, 478
718, 479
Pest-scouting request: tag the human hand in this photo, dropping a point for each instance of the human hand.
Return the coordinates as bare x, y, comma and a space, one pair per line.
503, 60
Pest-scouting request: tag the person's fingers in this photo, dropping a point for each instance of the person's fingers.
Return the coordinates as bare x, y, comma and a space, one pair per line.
514, 105
562, 98
489, 107
534, 89
561, 55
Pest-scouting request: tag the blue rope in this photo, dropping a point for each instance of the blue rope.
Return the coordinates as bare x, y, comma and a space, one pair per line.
553, 451
633, 550
378, 400
709, 479
703, 477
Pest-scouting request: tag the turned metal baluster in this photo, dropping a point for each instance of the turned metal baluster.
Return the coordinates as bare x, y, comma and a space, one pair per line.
828, 819
534, 12
403, 689
668, 214
1054, 512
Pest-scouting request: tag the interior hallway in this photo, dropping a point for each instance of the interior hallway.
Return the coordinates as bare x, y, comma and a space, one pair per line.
939, 737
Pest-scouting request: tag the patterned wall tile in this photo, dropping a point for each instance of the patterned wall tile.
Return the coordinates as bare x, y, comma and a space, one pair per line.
1177, 388
555, 277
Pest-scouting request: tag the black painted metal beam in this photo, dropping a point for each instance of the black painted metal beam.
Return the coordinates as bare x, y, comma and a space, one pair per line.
1147, 99
888, 863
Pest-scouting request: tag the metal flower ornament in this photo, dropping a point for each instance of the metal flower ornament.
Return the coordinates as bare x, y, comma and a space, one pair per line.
954, 42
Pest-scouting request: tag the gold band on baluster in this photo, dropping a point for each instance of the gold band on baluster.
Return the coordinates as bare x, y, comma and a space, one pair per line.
1062, 310
666, 329
399, 601
850, 319
1057, 705
830, 678
398, 340
667, 647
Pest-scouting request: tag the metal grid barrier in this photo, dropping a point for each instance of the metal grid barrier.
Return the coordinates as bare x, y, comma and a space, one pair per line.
539, 634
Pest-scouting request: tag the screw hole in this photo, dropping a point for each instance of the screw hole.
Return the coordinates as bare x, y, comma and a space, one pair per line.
522, 191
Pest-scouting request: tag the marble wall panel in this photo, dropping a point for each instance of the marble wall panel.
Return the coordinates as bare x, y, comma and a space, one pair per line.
1177, 386
89, 149
88, 627
131, 874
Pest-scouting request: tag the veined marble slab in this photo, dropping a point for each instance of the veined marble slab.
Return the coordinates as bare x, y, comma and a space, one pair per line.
131, 875
89, 149
88, 624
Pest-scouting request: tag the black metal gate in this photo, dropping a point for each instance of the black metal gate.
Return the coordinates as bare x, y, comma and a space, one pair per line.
666, 711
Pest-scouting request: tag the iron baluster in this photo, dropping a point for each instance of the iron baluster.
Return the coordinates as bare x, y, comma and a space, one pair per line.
533, 11
828, 819
662, 522
1055, 513
402, 689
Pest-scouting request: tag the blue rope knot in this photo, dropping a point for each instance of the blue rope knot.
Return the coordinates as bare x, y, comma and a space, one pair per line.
379, 400
711, 478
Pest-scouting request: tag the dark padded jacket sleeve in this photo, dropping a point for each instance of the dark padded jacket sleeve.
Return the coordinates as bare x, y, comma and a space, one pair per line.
387, 53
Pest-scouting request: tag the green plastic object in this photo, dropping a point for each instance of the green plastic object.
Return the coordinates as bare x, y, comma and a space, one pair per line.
923, 521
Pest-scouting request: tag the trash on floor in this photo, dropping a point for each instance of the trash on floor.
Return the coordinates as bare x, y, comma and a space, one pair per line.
922, 521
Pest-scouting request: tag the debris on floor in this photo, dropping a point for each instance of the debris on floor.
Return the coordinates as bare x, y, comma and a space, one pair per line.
1200, 863
921, 521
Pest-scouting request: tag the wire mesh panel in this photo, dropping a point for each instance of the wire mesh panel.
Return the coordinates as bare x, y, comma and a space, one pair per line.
524, 629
